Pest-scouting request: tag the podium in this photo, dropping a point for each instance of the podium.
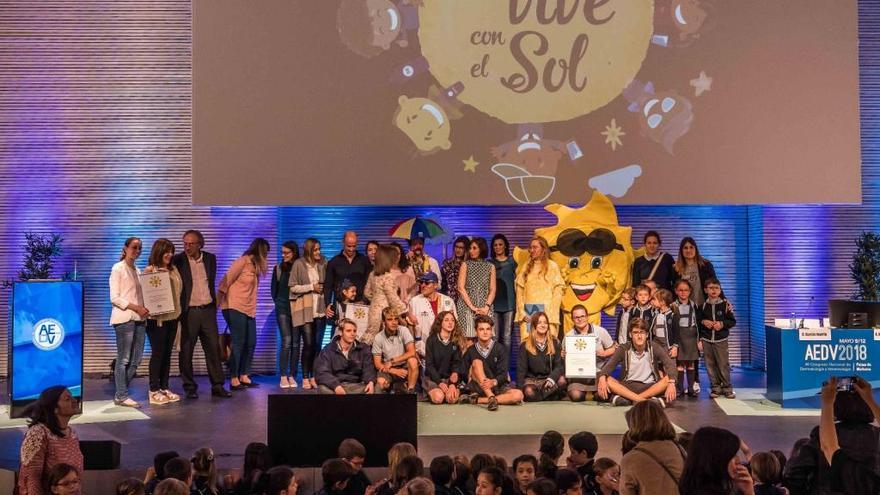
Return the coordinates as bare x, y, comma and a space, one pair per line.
46, 340
799, 360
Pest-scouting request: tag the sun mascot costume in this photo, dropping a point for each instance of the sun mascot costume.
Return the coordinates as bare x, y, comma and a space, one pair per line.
594, 254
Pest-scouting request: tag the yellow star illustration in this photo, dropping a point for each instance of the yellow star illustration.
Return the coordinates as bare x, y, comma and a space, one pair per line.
470, 165
612, 135
701, 84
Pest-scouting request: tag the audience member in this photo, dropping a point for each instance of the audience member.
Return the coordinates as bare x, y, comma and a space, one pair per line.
490, 481
354, 453
606, 473
180, 469
569, 482
130, 486
525, 468
655, 464
713, 465
462, 475
171, 486
396, 453
852, 469
418, 486
335, 474
542, 486
442, 472
48, 440
204, 473
62, 479
280, 480
257, 460
477, 464
550, 450
807, 472
408, 468
767, 473
583, 446
156, 472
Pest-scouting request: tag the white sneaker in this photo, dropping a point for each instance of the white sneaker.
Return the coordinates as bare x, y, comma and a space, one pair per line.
285, 383
128, 402
292, 381
620, 401
172, 397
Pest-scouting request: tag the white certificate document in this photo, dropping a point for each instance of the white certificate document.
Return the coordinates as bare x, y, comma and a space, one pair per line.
158, 298
359, 313
580, 356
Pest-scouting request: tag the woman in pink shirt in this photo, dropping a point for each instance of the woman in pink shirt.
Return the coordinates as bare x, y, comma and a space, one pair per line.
49, 440
238, 300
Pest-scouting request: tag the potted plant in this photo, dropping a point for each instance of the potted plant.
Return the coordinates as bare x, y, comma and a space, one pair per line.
865, 267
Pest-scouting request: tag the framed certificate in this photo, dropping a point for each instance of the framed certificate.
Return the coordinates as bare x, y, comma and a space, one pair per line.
158, 298
580, 356
359, 313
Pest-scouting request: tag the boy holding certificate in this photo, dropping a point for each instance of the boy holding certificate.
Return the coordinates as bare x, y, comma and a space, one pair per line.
579, 387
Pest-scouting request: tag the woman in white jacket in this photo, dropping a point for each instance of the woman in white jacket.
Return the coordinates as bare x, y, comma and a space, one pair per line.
128, 318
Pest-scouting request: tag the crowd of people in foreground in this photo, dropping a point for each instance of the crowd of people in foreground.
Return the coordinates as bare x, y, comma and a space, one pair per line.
448, 332
841, 456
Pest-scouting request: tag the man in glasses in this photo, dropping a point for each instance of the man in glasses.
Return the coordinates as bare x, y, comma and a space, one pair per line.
198, 300
646, 371
424, 308
580, 388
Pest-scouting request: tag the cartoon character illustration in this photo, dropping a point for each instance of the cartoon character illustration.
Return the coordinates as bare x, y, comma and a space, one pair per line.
426, 121
528, 164
369, 27
664, 117
680, 22
594, 253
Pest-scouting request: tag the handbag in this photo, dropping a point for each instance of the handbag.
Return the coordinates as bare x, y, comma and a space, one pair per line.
225, 345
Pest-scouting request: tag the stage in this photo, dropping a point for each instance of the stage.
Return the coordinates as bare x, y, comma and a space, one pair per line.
228, 425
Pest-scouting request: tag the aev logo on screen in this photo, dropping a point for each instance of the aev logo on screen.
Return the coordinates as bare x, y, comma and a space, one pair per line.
48, 334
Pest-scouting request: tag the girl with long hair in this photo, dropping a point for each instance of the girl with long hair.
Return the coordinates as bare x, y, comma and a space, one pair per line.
237, 294
443, 352
128, 318
539, 363
287, 360
549, 451
307, 305
204, 473
539, 287
162, 329
505, 288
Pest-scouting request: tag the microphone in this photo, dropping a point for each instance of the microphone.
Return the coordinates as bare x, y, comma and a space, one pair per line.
809, 311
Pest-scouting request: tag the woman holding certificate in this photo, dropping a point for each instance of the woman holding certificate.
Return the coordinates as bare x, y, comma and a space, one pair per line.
539, 287
539, 365
162, 328
237, 294
127, 317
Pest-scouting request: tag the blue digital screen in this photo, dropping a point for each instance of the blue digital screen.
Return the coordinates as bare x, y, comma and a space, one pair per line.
47, 343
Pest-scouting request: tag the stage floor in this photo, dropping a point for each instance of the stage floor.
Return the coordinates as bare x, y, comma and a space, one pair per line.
228, 425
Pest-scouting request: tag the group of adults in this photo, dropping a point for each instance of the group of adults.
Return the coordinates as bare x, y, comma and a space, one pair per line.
307, 289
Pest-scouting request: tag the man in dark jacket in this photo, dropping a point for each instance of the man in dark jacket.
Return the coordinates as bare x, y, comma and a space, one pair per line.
198, 317
345, 366
646, 370
349, 264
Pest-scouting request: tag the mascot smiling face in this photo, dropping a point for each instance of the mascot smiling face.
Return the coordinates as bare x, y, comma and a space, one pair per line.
594, 254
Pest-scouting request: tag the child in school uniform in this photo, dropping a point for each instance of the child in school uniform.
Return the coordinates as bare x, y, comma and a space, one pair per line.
686, 319
626, 302
716, 320
643, 308
664, 331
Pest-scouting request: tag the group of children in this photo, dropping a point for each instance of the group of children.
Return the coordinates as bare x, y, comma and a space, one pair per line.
685, 330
